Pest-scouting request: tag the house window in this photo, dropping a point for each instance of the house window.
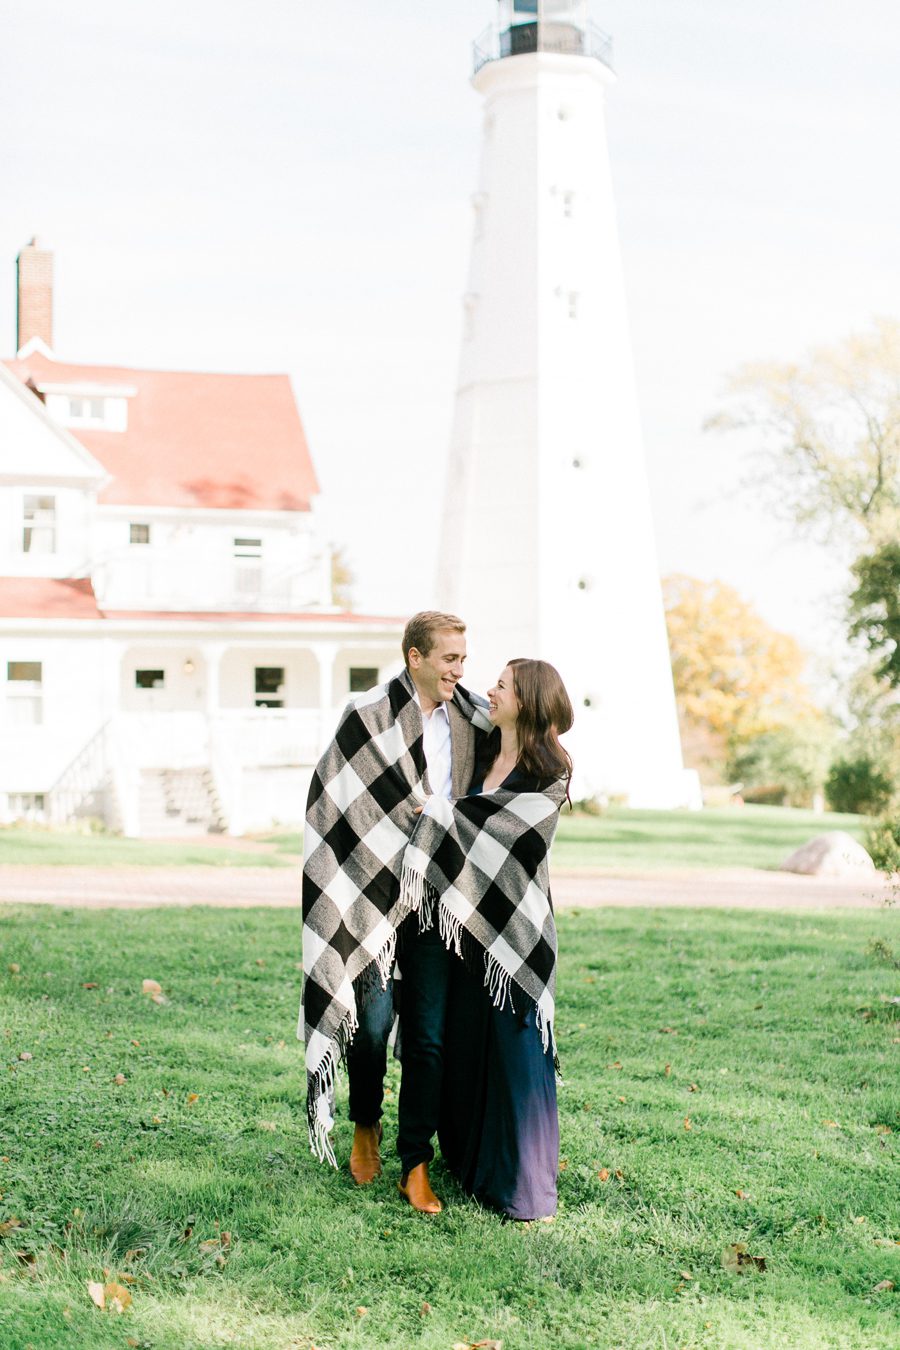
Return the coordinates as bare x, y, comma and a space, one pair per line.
138, 534
247, 566
86, 409
39, 525
26, 805
149, 679
269, 686
362, 678
24, 688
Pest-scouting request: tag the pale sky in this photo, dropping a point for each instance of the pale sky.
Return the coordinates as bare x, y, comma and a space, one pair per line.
286, 186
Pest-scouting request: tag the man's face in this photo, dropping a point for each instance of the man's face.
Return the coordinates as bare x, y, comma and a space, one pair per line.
435, 675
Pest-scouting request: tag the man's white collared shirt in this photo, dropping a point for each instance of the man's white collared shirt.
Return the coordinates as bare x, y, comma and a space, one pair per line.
437, 749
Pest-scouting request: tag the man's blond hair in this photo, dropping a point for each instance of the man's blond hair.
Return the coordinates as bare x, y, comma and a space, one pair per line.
421, 630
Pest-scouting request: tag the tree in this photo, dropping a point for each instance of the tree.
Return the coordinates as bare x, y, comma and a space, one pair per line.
875, 609
828, 436
792, 758
341, 579
733, 673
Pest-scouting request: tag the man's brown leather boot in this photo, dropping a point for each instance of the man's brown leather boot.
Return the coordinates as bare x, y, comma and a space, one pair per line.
415, 1187
365, 1156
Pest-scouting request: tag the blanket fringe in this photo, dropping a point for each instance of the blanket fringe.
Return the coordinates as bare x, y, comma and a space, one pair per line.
451, 930
496, 982
320, 1088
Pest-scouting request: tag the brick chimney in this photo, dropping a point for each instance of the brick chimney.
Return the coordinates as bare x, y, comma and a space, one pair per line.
34, 313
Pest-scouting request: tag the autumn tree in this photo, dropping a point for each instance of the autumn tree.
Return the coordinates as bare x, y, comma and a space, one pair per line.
341, 579
826, 436
741, 683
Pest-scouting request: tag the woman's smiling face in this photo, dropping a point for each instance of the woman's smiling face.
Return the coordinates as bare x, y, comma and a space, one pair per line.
503, 706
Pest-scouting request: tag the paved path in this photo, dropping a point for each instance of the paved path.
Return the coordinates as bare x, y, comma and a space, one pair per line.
279, 887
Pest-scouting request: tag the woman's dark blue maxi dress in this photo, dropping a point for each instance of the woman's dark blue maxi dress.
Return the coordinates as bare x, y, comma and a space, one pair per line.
499, 1128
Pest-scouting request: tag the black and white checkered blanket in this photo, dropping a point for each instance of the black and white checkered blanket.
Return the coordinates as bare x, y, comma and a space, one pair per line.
360, 815
486, 858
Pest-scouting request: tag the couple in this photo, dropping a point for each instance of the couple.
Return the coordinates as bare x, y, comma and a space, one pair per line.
428, 831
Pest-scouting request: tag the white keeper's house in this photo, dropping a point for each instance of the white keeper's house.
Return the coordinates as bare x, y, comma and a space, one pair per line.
170, 657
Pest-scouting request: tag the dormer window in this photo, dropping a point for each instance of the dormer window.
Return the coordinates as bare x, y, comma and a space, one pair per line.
138, 533
86, 411
101, 407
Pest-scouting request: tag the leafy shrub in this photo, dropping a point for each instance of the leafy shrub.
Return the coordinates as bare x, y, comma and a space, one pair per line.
858, 785
883, 844
784, 765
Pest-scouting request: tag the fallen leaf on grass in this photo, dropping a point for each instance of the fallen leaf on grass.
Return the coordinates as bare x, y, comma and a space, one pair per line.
119, 1079
13, 967
425, 1310
97, 1292
742, 1195
692, 1087
90, 984
831, 1124
362, 1312
26, 1055
563, 1164
26, 1258
616, 1065
667, 1070
477, 1345
687, 1123
117, 1297
737, 1260
883, 1129
668, 1031
883, 1287
685, 1274
153, 990
603, 1174
9, 1226
191, 1098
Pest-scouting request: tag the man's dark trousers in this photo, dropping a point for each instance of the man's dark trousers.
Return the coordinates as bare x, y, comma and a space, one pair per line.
425, 963
367, 1056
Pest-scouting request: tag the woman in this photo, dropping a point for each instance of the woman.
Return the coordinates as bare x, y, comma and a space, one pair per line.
484, 862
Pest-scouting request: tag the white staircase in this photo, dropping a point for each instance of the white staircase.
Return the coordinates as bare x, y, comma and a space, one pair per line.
179, 802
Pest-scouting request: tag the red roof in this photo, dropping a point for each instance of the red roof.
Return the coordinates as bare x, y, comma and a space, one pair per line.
73, 598
47, 598
227, 441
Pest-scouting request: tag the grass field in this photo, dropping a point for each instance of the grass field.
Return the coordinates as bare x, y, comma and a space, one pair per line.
729, 1078
755, 836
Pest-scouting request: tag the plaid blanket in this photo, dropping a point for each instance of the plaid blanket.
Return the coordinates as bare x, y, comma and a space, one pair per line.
486, 859
360, 815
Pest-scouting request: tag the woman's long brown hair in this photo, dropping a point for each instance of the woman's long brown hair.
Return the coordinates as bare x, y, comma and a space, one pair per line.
545, 714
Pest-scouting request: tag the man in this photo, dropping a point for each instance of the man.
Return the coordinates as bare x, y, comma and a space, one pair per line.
395, 746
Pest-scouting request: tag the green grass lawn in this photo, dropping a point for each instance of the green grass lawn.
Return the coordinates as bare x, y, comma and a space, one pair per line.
754, 836
768, 1035
35, 846
749, 836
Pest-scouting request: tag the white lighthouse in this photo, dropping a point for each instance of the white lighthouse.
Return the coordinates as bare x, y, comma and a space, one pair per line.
547, 546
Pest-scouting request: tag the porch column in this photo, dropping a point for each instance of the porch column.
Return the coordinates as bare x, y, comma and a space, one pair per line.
212, 658
326, 654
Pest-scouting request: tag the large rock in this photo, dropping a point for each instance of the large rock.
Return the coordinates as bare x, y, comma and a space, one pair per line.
836, 854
